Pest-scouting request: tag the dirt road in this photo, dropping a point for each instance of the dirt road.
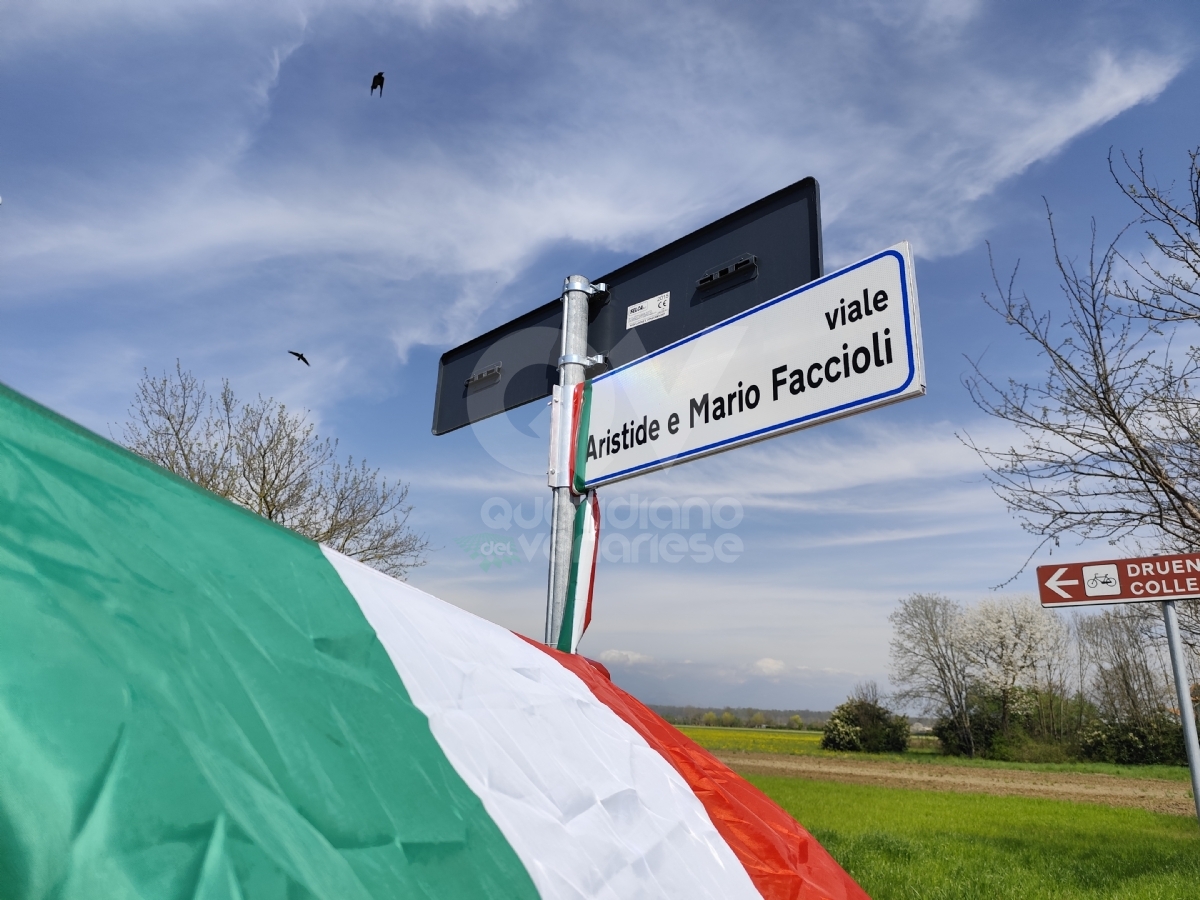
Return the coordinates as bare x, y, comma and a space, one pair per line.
1156, 795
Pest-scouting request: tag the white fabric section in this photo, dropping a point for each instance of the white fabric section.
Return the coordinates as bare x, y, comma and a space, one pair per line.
589, 807
589, 541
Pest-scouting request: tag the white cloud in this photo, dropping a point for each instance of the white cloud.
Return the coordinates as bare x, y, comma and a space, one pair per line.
648, 134
766, 683
262, 204
834, 460
48, 21
625, 657
770, 667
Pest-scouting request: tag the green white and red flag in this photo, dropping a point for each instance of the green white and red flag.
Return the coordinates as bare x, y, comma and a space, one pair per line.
585, 544
195, 703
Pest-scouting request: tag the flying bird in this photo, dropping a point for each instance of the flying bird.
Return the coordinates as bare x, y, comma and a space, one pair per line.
300, 356
377, 82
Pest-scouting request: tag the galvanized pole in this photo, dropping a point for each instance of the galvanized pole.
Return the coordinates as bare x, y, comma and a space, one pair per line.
571, 365
1186, 714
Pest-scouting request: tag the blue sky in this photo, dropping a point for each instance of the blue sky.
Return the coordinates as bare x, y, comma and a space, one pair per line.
210, 181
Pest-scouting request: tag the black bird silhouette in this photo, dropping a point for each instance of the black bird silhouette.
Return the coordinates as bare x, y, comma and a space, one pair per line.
377, 82
300, 356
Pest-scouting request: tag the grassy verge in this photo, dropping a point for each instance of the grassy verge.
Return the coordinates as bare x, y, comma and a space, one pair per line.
808, 743
901, 844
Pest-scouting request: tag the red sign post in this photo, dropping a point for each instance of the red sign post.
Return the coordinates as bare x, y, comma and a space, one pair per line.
1161, 578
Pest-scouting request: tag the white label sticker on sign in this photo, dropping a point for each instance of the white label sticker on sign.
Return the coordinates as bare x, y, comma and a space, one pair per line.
648, 310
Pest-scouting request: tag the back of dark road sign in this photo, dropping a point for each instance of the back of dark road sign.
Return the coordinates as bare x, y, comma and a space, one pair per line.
746, 258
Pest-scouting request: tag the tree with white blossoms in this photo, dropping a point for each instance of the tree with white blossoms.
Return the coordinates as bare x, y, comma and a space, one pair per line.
1014, 647
1005, 677
947, 660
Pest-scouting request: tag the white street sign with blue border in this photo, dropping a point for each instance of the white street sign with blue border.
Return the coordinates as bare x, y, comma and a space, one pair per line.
834, 347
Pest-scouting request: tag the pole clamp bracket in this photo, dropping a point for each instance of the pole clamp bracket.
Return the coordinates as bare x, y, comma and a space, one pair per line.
574, 359
579, 283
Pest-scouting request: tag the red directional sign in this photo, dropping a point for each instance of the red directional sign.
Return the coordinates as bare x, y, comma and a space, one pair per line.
1121, 580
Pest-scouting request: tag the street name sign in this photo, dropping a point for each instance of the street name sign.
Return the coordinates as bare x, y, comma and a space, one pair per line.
1120, 580
834, 347
724, 268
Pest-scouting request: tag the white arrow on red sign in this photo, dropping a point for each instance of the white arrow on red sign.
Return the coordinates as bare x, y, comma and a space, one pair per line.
1055, 582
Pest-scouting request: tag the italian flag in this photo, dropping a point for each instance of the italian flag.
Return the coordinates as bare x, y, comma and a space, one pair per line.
195, 703
585, 535
585, 544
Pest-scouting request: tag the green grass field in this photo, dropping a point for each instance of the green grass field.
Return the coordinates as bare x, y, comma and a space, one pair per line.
808, 743
941, 846
902, 844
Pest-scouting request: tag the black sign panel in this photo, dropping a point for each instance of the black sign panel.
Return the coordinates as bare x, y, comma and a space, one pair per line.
724, 268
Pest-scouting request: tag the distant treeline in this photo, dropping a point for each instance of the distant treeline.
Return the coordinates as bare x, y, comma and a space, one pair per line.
743, 717
750, 717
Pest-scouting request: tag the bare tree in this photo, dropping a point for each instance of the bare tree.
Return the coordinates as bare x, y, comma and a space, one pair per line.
1129, 679
1108, 441
1166, 287
1052, 681
173, 422
272, 461
867, 692
1109, 437
929, 667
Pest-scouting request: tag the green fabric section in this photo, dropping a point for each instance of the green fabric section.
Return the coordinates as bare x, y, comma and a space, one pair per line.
193, 706
581, 438
567, 629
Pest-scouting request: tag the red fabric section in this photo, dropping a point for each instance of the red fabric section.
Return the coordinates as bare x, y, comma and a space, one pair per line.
587, 614
576, 410
783, 860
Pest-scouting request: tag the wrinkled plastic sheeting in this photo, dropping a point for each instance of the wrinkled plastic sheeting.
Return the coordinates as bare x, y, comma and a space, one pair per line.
193, 706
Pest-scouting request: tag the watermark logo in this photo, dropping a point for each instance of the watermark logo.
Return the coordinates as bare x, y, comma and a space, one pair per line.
634, 529
492, 550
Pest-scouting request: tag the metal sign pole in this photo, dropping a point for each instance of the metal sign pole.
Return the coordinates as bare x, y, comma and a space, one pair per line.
1186, 714
571, 365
